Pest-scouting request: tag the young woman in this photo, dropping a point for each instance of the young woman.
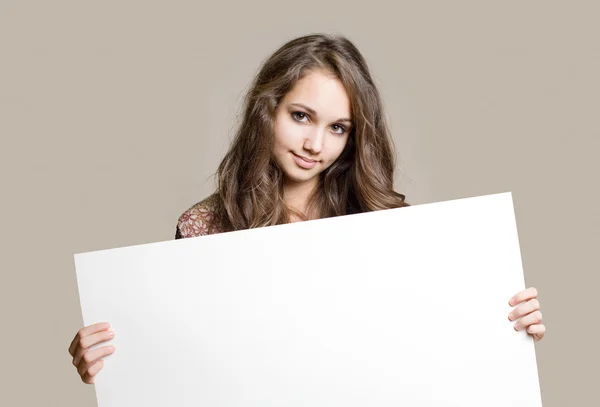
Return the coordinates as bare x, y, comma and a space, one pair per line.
313, 143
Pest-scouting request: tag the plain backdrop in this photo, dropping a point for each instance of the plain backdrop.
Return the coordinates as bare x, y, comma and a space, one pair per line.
114, 116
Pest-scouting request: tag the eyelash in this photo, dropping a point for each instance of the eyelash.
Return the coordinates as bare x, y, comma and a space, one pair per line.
302, 113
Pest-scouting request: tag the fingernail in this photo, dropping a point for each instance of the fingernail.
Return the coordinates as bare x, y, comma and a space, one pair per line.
106, 325
111, 348
510, 317
111, 333
516, 327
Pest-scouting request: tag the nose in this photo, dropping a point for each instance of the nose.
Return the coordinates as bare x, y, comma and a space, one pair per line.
314, 141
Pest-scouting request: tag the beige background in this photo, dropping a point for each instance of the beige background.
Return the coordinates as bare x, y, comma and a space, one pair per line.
115, 114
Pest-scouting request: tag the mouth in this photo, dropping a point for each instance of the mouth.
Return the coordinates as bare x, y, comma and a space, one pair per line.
308, 160
303, 162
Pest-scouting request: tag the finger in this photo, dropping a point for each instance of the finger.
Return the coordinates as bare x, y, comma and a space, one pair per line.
91, 356
524, 309
524, 295
536, 329
531, 319
89, 376
91, 340
85, 331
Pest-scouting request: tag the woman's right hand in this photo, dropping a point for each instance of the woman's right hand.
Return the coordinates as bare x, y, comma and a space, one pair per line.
90, 362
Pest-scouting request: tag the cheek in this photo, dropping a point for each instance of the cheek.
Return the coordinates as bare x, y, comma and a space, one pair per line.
287, 134
336, 147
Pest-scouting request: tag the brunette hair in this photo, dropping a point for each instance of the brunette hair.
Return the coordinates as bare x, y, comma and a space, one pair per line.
249, 190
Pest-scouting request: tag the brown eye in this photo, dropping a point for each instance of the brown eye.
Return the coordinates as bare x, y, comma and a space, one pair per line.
296, 114
342, 128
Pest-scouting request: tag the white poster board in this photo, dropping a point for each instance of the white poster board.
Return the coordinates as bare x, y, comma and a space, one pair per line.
401, 307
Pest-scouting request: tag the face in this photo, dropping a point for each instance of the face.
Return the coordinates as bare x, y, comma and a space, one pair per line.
312, 125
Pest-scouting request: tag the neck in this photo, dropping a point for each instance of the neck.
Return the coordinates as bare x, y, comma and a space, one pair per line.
295, 195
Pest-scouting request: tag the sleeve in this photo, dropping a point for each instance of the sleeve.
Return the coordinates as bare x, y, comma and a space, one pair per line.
196, 221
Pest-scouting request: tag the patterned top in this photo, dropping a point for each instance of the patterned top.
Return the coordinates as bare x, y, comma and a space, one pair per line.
197, 221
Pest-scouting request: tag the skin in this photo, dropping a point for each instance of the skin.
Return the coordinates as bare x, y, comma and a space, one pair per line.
321, 136
89, 362
307, 123
527, 313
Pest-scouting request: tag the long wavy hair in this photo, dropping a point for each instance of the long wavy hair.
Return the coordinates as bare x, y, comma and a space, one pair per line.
249, 191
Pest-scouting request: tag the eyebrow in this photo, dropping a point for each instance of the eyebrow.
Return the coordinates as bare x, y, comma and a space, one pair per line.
314, 113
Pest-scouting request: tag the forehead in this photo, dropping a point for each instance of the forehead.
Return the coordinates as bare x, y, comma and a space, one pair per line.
322, 92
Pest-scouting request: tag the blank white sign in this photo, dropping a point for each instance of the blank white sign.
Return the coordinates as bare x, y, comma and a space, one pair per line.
400, 307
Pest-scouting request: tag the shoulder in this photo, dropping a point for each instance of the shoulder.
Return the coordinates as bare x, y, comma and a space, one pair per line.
198, 220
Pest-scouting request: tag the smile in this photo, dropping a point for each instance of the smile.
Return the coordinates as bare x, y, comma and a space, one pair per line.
304, 162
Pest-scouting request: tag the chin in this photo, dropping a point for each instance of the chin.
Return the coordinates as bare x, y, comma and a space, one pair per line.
297, 179
295, 176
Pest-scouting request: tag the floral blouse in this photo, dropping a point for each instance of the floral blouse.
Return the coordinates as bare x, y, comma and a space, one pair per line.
197, 221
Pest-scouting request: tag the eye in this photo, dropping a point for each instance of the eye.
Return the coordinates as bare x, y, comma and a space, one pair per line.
342, 128
296, 114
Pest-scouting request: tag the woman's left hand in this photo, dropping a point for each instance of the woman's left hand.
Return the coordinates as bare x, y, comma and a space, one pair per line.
529, 311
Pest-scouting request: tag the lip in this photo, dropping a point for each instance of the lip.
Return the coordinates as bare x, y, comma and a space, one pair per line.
304, 162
